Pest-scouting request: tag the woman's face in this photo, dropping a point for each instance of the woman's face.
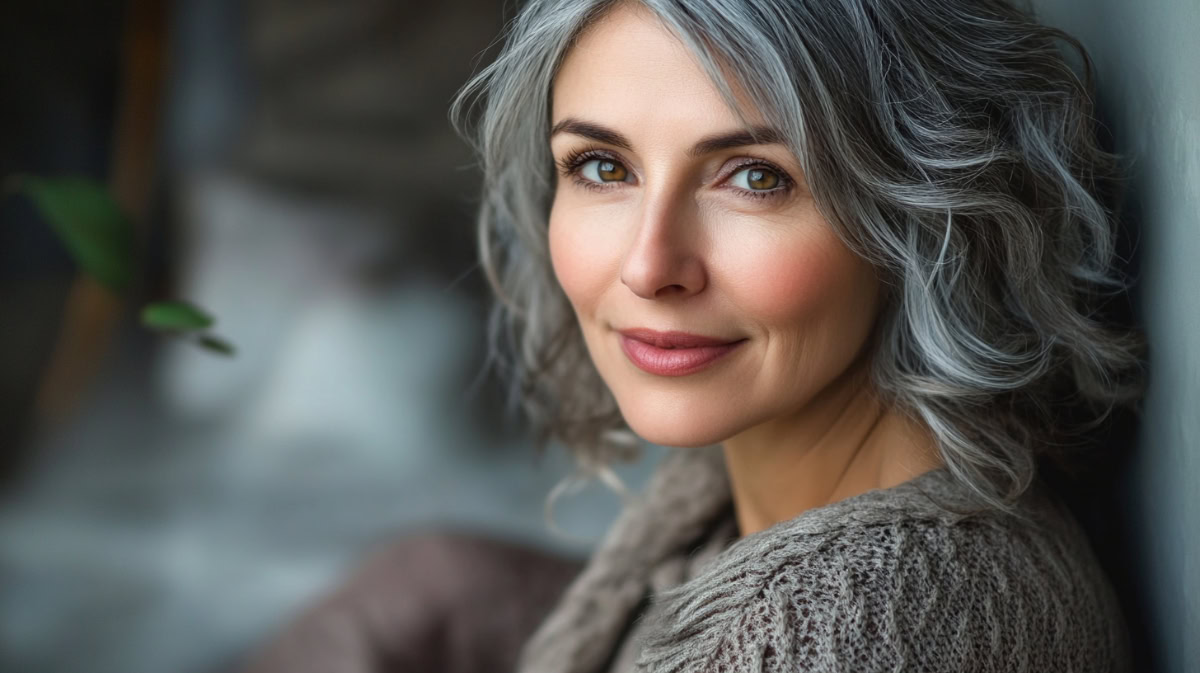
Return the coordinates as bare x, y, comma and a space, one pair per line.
670, 222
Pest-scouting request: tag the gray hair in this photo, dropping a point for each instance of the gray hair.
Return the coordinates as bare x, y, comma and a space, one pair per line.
948, 142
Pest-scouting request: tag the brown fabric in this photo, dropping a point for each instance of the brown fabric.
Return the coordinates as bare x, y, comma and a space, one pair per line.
451, 603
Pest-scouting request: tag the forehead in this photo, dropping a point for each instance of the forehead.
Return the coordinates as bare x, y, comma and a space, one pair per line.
630, 70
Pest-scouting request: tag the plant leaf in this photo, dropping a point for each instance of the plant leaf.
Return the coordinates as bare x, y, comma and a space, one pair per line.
175, 315
216, 345
89, 223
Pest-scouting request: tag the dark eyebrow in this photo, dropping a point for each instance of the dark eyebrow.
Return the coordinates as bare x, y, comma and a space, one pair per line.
757, 135
592, 131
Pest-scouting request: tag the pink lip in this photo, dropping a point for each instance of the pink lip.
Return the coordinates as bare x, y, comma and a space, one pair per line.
673, 353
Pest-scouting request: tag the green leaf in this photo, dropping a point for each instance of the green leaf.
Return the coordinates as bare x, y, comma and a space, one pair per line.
216, 345
89, 223
175, 315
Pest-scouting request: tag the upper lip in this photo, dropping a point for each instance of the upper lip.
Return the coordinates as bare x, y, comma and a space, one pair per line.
673, 339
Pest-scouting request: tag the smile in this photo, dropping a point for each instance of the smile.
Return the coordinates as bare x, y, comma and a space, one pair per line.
671, 354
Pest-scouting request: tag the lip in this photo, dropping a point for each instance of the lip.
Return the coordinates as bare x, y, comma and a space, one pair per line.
673, 353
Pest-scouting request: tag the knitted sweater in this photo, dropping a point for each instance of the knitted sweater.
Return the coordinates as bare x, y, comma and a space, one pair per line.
887, 580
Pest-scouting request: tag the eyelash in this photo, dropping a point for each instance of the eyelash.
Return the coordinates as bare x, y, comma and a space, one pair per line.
570, 165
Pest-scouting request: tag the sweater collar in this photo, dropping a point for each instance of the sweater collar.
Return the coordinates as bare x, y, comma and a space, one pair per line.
687, 495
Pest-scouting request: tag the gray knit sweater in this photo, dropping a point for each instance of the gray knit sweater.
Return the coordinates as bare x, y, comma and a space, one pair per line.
887, 580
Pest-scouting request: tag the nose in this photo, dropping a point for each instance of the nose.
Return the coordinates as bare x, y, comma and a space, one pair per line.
664, 259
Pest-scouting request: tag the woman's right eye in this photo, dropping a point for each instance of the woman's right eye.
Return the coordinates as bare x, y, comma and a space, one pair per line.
602, 170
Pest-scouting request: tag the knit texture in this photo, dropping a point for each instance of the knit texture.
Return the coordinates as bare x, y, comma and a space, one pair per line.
897, 579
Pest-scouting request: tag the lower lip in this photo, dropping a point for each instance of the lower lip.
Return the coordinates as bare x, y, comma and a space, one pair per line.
673, 361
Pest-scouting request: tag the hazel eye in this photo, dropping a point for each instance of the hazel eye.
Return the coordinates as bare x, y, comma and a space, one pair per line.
756, 178
603, 170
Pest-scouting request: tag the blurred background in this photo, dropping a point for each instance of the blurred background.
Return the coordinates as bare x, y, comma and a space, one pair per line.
288, 166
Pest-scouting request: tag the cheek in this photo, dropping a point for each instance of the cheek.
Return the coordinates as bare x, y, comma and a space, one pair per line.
797, 280
581, 254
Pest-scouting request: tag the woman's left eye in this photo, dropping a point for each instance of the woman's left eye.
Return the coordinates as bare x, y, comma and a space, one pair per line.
757, 179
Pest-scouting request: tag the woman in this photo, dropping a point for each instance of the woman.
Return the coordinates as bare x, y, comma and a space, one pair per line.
844, 255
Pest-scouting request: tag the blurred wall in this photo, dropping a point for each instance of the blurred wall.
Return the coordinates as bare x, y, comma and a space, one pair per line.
1148, 67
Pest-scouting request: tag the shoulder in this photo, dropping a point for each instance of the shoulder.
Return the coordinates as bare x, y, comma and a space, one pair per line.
892, 591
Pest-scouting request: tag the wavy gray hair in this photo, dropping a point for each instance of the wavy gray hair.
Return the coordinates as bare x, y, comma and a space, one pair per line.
948, 142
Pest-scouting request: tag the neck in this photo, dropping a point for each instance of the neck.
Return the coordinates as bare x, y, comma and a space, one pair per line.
844, 442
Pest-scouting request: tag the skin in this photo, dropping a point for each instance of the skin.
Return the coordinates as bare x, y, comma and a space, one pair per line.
660, 238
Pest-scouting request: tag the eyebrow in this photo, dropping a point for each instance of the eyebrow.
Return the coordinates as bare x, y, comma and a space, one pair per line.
756, 135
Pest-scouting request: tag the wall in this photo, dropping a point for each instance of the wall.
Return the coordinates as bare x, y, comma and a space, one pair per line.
1148, 72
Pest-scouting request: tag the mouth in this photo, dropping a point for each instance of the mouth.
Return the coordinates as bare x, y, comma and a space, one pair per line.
674, 340
674, 353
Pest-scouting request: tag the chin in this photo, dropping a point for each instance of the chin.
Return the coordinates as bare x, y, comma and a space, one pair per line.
669, 423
